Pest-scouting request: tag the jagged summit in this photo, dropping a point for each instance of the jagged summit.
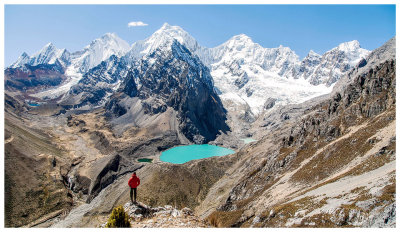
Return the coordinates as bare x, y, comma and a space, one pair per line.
168, 32
166, 27
311, 53
328, 68
386, 52
351, 51
159, 38
110, 35
99, 50
22, 59
48, 46
240, 41
49, 54
241, 37
349, 46
110, 38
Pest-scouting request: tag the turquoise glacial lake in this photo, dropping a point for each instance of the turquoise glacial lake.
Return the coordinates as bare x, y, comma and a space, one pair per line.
33, 104
183, 154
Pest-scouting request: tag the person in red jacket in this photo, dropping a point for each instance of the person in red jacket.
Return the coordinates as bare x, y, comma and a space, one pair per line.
133, 182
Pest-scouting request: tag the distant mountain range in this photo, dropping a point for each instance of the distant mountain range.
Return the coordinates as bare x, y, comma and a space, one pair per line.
243, 72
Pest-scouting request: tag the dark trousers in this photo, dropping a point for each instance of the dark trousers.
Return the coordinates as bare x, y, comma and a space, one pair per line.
134, 191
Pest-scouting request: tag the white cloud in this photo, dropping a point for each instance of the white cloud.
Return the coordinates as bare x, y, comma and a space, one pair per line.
137, 24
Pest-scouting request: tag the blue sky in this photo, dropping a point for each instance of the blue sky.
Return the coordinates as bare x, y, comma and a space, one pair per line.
301, 27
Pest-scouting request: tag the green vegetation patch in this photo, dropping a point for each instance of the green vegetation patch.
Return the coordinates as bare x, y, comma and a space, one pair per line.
145, 160
118, 218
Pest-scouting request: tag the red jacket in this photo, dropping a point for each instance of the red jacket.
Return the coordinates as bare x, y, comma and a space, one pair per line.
134, 181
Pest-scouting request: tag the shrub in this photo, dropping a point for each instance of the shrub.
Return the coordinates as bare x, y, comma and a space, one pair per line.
118, 218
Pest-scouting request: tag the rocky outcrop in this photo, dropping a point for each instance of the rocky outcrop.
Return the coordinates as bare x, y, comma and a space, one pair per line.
143, 216
269, 103
115, 167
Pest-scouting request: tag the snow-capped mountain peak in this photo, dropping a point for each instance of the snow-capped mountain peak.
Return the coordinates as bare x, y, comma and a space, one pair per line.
49, 54
166, 26
168, 32
349, 46
110, 35
242, 37
353, 51
109, 42
311, 53
171, 30
99, 50
165, 35
22, 59
48, 47
241, 50
24, 54
239, 42
329, 67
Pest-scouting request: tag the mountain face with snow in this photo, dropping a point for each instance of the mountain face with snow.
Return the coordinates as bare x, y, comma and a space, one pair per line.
49, 54
166, 34
97, 84
241, 50
170, 77
73, 65
247, 74
328, 68
161, 36
99, 50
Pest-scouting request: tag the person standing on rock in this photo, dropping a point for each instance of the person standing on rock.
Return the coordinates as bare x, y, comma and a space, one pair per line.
134, 182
